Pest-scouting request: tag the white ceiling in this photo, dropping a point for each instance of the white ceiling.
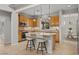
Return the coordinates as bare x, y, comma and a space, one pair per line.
45, 8
18, 6
37, 9
5, 7
12, 7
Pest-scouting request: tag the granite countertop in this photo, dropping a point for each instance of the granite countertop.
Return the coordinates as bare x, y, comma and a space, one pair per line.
32, 30
37, 30
47, 34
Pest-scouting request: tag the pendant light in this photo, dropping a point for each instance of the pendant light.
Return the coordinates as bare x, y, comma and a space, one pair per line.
49, 17
34, 16
41, 13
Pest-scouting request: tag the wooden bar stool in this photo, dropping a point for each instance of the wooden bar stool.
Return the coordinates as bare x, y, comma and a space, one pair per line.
30, 42
41, 45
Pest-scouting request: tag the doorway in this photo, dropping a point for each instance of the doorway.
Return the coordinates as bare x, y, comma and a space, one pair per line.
68, 24
5, 28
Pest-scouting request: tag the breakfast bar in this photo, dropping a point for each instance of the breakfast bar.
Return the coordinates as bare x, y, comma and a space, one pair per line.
47, 35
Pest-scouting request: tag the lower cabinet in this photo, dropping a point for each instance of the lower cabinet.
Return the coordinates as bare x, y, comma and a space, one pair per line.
19, 36
56, 37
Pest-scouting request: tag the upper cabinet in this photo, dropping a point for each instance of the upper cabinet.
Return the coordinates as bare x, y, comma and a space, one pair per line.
33, 22
23, 20
54, 21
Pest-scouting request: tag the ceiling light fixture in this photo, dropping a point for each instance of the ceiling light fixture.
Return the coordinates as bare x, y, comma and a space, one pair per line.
49, 17
34, 16
41, 13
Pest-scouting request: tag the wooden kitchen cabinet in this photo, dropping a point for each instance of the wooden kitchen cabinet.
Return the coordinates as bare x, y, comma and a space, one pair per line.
35, 23
22, 20
56, 37
25, 20
19, 36
29, 21
54, 21
32, 23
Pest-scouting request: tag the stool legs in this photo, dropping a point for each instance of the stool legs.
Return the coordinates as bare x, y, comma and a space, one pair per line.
27, 44
45, 47
42, 46
31, 44
38, 47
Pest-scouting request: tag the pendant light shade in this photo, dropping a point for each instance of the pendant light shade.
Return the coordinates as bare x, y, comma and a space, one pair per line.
49, 18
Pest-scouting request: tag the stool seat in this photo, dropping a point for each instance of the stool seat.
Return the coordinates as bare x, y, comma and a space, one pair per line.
30, 40
41, 40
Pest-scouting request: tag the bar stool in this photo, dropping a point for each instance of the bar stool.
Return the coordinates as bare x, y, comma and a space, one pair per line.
30, 42
41, 45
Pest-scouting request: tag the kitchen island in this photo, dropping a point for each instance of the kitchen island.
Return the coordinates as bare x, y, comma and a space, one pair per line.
47, 33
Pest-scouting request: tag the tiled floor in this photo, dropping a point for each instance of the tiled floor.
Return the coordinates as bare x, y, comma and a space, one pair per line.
68, 47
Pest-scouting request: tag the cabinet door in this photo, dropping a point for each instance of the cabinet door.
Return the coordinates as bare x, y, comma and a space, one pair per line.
25, 19
54, 20
19, 36
56, 37
35, 23
21, 19
31, 22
